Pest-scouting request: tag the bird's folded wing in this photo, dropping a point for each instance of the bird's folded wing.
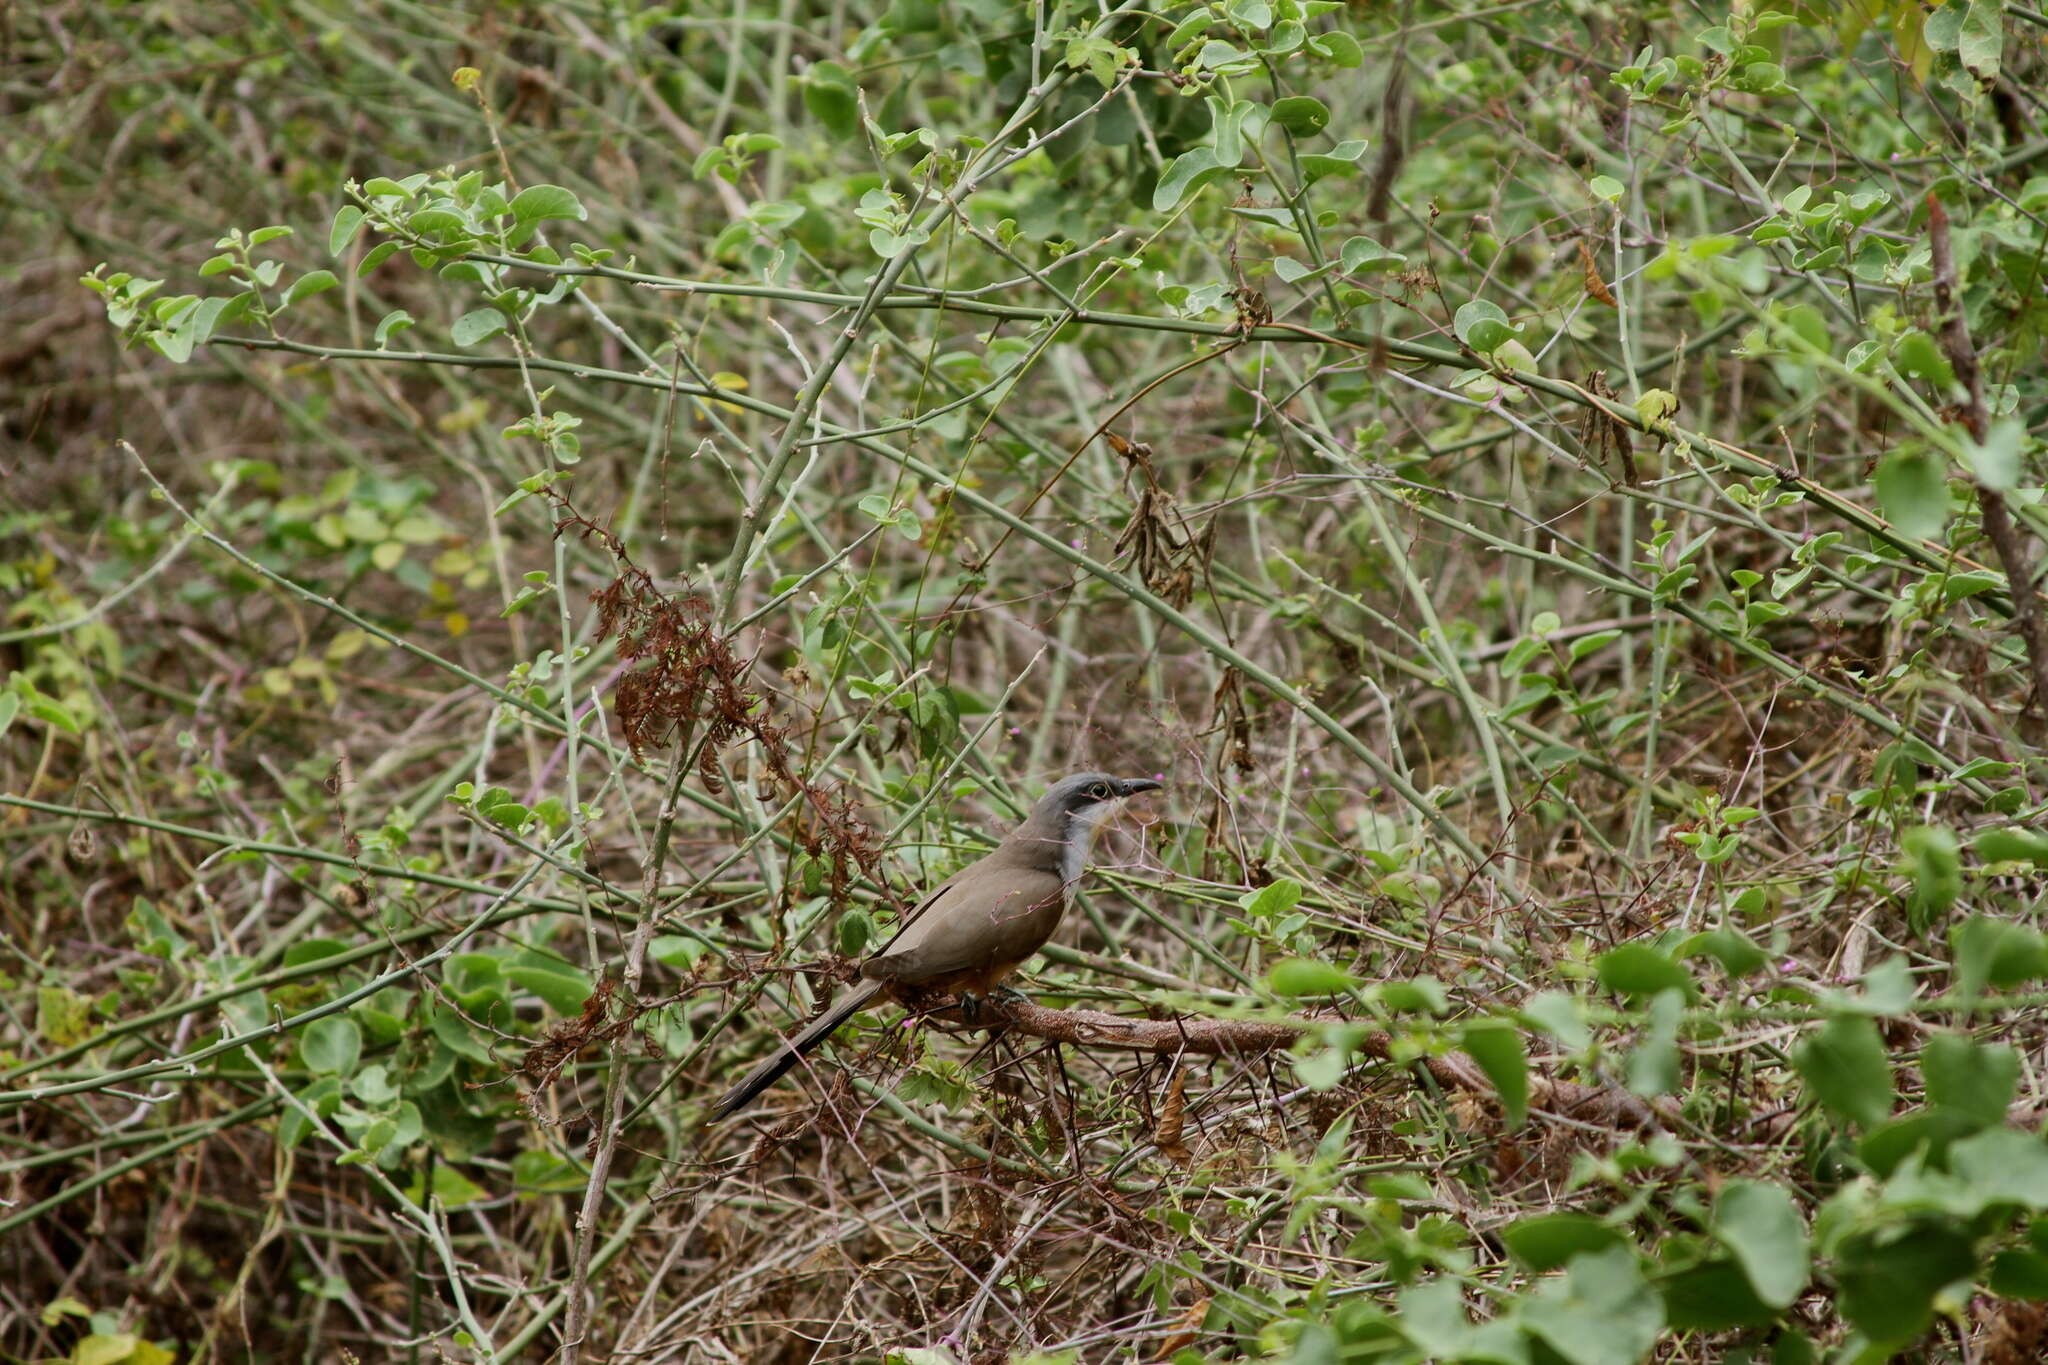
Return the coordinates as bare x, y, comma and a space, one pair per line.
972, 925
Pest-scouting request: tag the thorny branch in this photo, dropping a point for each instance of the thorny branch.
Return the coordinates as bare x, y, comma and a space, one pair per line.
1976, 419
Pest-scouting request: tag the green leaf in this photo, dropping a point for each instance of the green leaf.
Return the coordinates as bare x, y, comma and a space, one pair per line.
1760, 1225
323, 1097
175, 346
209, 313
1655, 405
1217, 55
1887, 988
332, 1046
1250, 15
1417, 995
1846, 1068
1340, 47
1548, 1240
1936, 867
451, 1187
832, 99
476, 326
117, 1348
1364, 256
312, 950
1734, 950
1432, 1315
376, 256
1711, 1296
453, 1033
1981, 39
309, 284
1974, 1080
538, 203
1912, 490
2011, 844
49, 710
1603, 1312
347, 219
1960, 587
1184, 176
2019, 1275
1561, 1016
372, 1085
1995, 953
390, 326
1301, 115
1919, 356
1998, 461
676, 950
1886, 1281
437, 220
2003, 1166
1637, 970
562, 989
542, 1172
856, 931
1100, 57
1925, 1134
1304, 976
1653, 1064
1497, 1047
1482, 326
1273, 899
1322, 1070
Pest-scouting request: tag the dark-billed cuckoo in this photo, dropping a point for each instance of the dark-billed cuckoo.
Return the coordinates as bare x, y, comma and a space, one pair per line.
978, 925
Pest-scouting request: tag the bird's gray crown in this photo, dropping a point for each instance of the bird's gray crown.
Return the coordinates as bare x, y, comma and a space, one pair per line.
1081, 791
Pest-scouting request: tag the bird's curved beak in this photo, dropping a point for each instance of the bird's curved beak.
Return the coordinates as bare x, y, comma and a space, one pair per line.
1131, 786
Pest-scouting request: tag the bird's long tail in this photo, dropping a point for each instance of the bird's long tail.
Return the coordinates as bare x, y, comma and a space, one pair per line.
793, 1051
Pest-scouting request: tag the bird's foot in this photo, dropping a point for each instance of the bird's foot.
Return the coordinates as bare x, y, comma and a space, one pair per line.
974, 1005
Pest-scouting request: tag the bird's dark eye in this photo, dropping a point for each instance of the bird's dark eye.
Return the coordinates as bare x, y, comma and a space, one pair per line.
1100, 791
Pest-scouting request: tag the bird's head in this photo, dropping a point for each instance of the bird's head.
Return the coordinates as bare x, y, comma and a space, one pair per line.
1088, 796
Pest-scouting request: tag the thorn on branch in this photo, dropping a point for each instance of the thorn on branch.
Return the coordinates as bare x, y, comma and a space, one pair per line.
1999, 527
1237, 1037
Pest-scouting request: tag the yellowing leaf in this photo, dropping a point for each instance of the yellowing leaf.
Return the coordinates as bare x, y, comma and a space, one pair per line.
105, 1349
461, 419
63, 1016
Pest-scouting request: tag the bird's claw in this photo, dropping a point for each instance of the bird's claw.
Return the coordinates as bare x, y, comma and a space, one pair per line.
973, 1004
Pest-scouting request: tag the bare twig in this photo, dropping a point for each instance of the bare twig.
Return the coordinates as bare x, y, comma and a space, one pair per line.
1238, 1037
1976, 419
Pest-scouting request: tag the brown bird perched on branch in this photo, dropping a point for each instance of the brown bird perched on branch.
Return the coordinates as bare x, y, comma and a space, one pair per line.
978, 926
